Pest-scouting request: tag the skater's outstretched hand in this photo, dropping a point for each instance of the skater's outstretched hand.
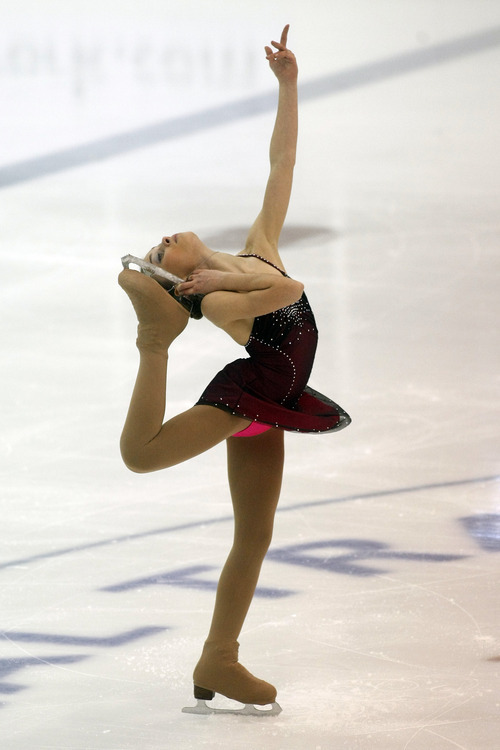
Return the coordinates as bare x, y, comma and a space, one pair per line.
282, 60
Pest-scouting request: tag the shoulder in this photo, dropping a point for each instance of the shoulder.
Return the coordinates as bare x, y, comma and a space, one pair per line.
261, 243
258, 244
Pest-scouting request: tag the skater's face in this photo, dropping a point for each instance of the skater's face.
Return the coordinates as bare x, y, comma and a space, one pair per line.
177, 253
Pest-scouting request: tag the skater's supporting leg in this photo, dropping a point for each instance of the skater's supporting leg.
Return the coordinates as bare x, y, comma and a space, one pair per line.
255, 468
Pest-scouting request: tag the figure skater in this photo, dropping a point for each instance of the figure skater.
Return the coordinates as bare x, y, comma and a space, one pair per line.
251, 402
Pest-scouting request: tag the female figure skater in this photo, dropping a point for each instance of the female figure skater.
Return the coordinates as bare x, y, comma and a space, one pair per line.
250, 402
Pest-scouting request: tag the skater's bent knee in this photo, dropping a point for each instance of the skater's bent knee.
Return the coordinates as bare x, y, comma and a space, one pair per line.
137, 469
134, 460
135, 466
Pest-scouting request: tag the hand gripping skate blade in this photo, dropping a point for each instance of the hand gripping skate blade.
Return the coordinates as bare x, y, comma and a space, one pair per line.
201, 708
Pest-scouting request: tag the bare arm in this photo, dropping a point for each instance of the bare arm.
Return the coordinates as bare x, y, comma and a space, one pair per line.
264, 234
240, 296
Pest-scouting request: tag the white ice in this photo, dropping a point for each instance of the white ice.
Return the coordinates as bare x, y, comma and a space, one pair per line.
377, 615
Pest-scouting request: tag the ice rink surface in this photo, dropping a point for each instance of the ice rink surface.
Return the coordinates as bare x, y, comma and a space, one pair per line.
377, 614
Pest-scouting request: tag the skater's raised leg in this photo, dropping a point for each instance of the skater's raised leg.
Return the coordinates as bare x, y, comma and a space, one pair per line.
148, 444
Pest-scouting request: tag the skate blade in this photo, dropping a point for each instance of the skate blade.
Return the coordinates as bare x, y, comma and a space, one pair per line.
149, 269
248, 710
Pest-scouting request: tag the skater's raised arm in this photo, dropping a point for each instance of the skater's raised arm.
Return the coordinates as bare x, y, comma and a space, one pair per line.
264, 234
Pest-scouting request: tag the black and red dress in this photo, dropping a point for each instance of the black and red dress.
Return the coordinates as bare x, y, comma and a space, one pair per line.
270, 385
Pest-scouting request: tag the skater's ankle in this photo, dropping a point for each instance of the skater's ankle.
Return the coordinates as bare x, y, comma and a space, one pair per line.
221, 643
152, 346
154, 339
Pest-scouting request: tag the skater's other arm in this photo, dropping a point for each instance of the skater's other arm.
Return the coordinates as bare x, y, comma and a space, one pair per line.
240, 296
264, 235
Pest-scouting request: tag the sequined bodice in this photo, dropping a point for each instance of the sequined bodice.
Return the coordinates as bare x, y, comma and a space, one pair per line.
281, 347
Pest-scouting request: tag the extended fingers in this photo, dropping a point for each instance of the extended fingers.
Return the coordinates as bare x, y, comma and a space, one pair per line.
284, 35
281, 45
281, 50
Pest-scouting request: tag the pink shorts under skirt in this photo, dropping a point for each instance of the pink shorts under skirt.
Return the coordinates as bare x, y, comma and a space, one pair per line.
254, 428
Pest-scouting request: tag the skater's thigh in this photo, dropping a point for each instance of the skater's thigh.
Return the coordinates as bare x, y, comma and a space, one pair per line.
190, 433
255, 471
